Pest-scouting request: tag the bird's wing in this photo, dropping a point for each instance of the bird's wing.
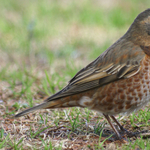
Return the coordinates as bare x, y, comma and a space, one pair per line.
117, 62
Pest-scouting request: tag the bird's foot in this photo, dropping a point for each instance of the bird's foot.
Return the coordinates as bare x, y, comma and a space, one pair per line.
128, 133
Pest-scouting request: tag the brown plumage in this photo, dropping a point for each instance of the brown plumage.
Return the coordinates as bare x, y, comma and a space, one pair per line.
118, 81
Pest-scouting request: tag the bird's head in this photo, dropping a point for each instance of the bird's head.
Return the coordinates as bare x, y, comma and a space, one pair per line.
139, 32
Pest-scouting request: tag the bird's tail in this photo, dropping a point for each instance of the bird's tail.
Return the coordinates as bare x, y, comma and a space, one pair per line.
58, 103
40, 106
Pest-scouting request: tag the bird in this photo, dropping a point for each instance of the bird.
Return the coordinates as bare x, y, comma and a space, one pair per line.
116, 82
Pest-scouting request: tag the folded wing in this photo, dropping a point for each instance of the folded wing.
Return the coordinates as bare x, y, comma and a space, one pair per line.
108, 67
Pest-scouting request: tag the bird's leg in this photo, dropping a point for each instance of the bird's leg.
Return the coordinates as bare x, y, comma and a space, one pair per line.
130, 134
120, 126
113, 127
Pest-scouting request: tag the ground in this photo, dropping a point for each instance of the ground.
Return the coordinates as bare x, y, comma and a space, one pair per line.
42, 46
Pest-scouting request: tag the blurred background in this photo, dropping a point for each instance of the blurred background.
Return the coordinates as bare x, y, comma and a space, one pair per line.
40, 32
50, 40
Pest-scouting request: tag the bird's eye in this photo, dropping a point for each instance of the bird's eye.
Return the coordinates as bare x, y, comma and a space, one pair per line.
148, 32
148, 29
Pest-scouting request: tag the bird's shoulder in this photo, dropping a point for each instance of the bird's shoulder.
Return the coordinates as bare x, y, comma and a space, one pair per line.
122, 58
119, 61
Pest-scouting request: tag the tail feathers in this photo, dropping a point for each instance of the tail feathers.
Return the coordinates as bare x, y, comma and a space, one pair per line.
25, 112
45, 105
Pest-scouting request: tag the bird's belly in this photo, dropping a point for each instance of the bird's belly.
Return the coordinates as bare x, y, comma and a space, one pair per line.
124, 95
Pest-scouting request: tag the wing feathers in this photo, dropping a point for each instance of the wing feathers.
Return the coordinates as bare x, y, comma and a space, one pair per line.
97, 79
92, 77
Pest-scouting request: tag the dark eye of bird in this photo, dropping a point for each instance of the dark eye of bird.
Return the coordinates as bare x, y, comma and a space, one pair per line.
148, 32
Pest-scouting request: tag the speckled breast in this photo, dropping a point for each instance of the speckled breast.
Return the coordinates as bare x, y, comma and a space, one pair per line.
126, 95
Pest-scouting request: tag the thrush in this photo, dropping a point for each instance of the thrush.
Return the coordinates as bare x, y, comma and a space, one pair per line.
117, 82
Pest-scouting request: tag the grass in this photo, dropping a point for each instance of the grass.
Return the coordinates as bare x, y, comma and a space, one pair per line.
42, 45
